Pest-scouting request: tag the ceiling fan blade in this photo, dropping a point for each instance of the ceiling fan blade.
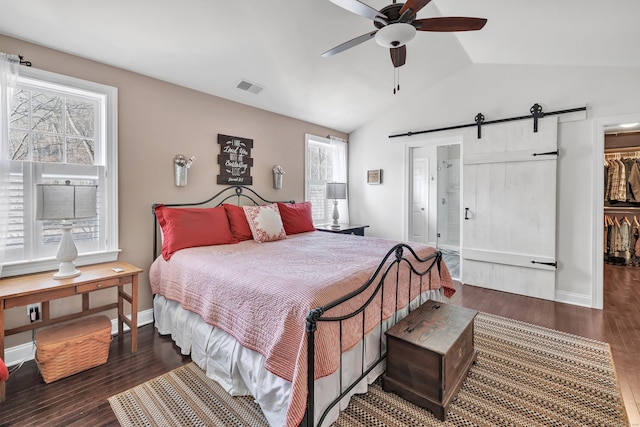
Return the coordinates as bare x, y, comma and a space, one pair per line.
351, 43
398, 55
360, 8
450, 23
414, 5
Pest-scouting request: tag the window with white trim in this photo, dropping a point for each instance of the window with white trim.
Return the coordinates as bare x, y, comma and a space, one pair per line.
61, 129
325, 161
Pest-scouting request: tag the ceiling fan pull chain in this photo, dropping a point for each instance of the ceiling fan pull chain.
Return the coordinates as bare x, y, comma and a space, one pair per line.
394, 81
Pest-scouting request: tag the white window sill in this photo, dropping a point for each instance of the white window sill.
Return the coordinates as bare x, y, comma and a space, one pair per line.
50, 264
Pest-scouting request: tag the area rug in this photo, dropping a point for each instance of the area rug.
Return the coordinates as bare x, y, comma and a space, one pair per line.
525, 375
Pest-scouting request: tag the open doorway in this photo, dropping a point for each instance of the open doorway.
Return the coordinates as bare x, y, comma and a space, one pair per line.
615, 138
621, 208
434, 181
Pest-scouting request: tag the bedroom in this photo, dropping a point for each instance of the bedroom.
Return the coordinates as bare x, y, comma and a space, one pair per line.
158, 120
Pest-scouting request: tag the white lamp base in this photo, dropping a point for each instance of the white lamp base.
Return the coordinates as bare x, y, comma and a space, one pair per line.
67, 253
336, 215
66, 270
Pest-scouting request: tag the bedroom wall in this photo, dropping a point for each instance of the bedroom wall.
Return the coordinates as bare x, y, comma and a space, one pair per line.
158, 120
501, 91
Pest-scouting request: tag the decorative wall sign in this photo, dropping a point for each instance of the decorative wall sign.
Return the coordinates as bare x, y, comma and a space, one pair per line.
235, 160
374, 176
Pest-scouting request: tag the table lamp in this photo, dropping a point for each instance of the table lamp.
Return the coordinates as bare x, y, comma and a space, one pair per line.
65, 202
336, 191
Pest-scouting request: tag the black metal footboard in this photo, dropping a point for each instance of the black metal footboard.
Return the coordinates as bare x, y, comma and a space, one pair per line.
419, 269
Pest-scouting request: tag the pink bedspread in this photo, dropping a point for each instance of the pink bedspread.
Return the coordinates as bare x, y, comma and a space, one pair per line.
260, 293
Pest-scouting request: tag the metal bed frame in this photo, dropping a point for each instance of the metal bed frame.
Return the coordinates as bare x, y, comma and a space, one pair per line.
377, 280
395, 257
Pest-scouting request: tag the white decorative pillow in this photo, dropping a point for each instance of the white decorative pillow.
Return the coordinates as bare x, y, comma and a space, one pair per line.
265, 222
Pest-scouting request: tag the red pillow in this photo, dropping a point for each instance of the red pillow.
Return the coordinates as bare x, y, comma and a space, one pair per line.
189, 227
4, 372
238, 222
296, 217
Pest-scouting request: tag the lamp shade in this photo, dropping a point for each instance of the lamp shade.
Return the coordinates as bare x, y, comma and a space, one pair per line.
336, 190
60, 201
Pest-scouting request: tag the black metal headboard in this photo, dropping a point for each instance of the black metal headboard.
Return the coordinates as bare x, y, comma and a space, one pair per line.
240, 192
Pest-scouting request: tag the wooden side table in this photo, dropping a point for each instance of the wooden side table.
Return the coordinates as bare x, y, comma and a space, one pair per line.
42, 287
358, 230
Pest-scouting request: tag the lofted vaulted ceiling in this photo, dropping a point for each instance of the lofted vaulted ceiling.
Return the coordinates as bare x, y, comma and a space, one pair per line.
211, 45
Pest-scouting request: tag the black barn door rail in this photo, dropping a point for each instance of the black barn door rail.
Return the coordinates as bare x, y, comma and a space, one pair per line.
536, 113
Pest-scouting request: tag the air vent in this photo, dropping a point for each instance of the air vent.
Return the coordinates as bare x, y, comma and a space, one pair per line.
249, 87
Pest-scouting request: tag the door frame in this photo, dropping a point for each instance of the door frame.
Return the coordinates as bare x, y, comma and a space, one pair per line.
417, 142
597, 275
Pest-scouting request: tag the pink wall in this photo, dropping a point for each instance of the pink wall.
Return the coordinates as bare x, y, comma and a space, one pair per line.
158, 120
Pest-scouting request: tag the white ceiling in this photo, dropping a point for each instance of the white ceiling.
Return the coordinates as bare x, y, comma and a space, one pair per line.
210, 45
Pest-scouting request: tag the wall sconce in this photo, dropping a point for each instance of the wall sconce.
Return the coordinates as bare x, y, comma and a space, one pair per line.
278, 171
180, 167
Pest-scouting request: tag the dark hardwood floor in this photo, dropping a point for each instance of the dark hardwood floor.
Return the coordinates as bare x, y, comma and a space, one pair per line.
81, 400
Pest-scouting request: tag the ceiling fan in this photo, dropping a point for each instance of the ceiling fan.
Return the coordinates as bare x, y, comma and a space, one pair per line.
396, 25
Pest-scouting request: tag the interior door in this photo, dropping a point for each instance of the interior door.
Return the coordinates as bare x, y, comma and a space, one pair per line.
420, 200
509, 201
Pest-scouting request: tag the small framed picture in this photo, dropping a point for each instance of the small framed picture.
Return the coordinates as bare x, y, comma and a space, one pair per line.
374, 176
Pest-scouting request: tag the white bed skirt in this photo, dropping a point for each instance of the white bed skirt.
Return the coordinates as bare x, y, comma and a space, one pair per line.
240, 371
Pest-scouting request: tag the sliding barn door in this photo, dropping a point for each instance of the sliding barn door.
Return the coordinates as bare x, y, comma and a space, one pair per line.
509, 208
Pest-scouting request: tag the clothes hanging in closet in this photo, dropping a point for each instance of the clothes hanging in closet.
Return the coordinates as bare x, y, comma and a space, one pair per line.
622, 180
621, 240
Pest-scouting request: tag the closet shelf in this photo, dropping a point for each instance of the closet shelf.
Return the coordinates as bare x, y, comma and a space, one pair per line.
622, 208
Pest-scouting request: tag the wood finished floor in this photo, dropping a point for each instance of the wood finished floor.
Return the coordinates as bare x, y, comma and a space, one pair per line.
81, 400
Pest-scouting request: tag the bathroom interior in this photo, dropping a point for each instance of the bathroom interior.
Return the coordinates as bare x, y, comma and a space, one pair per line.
448, 210
436, 201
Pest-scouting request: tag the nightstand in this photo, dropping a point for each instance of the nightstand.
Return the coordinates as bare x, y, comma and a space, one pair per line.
358, 230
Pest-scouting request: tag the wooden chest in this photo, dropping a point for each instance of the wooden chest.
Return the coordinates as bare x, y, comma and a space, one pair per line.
429, 354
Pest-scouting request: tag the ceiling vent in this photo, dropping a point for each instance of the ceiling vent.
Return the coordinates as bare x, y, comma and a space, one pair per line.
249, 87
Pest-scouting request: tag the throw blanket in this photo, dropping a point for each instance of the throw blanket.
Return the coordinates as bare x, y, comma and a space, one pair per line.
260, 293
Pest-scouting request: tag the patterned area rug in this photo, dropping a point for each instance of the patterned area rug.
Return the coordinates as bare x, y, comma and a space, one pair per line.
525, 375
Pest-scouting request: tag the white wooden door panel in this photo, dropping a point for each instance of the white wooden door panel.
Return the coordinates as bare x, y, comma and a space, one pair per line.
510, 258
505, 212
508, 278
510, 194
420, 201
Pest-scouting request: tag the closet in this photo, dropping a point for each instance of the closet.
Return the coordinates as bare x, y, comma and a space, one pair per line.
622, 199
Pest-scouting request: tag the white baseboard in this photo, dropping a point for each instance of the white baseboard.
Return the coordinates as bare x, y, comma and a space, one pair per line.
24, 352
573, 298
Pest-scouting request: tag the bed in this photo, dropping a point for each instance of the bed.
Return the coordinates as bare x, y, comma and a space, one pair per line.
296, 322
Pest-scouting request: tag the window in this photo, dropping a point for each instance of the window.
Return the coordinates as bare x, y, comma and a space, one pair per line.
61, 129
325, 161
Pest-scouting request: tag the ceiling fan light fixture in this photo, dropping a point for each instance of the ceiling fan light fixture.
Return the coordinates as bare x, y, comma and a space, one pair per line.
395, 35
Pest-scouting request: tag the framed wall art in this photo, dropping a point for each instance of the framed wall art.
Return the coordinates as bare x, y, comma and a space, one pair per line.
235, 160
374, 176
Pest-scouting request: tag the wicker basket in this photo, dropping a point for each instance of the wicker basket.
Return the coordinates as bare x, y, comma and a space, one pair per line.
69, 348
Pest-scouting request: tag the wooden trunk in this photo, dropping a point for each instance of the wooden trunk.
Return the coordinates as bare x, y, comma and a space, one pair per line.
429, 354
69, 348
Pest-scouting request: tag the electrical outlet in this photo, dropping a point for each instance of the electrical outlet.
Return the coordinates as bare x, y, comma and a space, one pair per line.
34, 311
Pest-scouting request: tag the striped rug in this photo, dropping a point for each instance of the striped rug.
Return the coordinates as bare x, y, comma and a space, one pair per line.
525, 375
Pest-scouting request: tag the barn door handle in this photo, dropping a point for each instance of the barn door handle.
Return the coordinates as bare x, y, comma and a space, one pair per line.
466, 213
552, 264
548, 153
